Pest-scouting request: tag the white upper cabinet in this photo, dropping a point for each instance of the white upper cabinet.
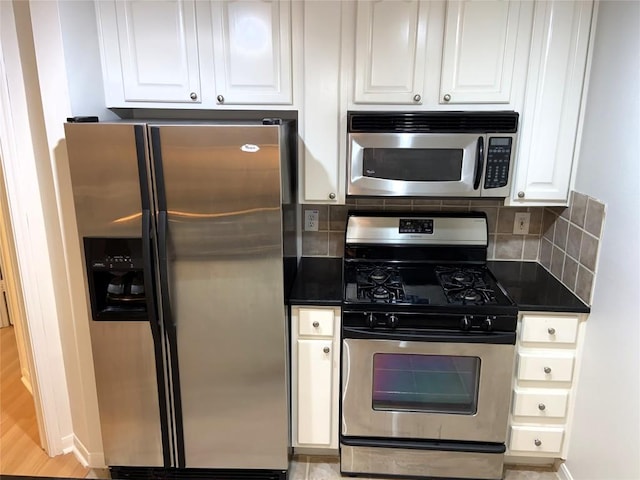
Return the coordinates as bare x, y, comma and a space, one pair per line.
252, 41
322, 173
485, 50
150, 51
390, 51
431, 54
548, 145
205, 54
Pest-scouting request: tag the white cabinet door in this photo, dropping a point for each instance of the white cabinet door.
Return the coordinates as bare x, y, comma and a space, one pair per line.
548, 146
314, 380
482, 41
390, 51
252, 51
315, 364
150, 51
322, 172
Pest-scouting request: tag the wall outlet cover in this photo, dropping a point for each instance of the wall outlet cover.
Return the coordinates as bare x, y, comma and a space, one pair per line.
311, 220
521, 223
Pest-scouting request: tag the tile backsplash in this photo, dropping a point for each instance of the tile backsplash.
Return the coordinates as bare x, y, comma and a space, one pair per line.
503, 244
570, 243
564, 240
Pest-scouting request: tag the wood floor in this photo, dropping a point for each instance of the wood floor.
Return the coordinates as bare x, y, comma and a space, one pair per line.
20, 452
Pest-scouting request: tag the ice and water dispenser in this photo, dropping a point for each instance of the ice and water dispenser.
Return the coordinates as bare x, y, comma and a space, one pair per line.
115, 270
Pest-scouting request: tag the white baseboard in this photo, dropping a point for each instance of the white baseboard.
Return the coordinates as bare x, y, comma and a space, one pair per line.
85, 457
67, 443
564, 473
27, 383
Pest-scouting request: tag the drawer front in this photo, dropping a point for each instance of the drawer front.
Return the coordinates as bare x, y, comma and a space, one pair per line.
549, 329
540, 404
545, 368
315, 322
532, 439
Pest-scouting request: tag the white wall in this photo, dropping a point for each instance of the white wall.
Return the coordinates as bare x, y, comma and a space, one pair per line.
605, 443
79, 30
60, 58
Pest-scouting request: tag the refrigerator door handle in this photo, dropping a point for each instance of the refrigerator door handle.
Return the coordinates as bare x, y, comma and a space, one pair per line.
164, 269
171, 329
148, 269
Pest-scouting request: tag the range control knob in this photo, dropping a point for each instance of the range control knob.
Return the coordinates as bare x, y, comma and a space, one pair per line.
465, 323
371, 320
487, 324
393, 321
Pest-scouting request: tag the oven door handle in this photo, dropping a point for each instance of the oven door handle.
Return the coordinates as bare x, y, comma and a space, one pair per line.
499, 338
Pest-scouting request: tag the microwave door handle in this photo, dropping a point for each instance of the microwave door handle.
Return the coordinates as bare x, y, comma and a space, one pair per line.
479, 163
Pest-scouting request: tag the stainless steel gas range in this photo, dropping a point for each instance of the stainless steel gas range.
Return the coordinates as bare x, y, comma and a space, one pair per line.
428, 341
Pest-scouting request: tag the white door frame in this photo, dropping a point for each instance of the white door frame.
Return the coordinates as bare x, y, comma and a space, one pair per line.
22, 133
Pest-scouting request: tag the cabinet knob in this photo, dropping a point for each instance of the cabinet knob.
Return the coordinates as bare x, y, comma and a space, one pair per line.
541, 407
521, 194
332, 196
537, 442
547, 370
193, 96
326, 350
316, 324
417, 98
447, 97
551, 330
220, 99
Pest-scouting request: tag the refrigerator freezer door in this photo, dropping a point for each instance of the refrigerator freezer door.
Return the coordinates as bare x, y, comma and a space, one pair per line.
221, 188
104, 168
107, 163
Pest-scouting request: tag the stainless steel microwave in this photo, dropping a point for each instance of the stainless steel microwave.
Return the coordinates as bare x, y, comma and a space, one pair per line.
431, 154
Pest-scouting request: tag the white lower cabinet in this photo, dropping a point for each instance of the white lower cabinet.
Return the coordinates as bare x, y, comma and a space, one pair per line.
540, 403
315, 363
547, 440
548, 358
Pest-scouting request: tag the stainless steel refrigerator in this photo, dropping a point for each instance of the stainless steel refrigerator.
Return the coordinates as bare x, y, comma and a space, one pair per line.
188, 233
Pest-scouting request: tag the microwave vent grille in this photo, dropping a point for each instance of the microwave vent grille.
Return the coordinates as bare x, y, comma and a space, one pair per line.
433, 122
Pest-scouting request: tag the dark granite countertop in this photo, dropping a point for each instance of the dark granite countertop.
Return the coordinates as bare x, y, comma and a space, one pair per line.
318, 282
533, 288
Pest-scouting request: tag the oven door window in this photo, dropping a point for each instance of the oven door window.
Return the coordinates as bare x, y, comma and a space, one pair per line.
426, 383
413, 164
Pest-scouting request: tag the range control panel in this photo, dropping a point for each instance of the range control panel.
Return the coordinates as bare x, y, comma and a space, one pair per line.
416, 225
498, 161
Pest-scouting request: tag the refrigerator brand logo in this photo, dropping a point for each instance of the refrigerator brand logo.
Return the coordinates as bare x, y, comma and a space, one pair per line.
249, 147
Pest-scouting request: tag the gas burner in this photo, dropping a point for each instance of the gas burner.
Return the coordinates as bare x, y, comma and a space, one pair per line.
462, 277
465, 285
378, 275
380, 283
470, 296
380, 293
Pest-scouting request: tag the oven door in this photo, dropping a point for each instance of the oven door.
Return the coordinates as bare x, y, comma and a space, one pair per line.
430, 386
415, 164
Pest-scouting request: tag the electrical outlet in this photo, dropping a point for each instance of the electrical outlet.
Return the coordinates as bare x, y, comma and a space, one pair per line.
311, 220
521, 223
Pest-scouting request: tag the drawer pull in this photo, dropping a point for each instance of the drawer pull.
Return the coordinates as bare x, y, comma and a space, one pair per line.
316, 324
547, 370
551, 330
541, 406
537, 442
326, 350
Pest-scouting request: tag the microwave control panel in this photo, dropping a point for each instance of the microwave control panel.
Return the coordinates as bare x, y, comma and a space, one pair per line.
498, 160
